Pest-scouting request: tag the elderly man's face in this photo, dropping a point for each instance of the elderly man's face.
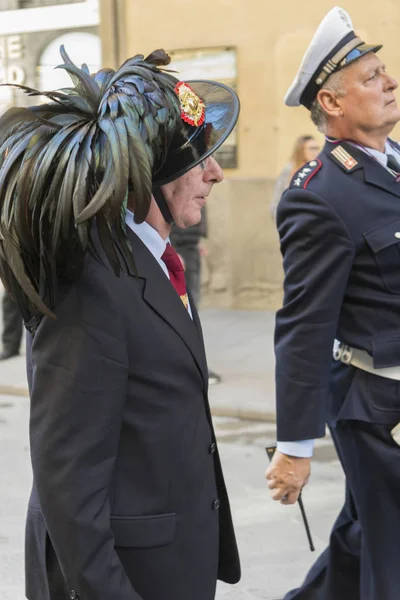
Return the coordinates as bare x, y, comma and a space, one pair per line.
369, 102
187, 195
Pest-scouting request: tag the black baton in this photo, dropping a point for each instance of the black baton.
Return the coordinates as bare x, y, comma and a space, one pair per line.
270, 453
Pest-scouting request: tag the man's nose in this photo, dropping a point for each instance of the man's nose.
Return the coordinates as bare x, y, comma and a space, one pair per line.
213, 172
392, 83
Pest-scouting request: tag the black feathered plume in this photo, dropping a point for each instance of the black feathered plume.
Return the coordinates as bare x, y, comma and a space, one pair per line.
66, 162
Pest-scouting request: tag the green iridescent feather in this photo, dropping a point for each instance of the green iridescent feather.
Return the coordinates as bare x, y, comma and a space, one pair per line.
65, 167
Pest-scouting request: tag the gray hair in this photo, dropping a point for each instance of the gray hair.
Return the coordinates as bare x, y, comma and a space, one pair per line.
318, 116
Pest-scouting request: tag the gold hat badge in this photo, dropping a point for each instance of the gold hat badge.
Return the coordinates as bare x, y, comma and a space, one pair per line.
192, 107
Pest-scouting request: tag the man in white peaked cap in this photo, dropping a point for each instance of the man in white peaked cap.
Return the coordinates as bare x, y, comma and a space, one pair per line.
337, 338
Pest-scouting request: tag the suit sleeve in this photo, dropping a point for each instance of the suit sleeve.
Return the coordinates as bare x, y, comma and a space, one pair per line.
318, 254
78, 389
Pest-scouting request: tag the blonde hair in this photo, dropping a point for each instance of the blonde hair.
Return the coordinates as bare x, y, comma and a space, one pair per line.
298, 158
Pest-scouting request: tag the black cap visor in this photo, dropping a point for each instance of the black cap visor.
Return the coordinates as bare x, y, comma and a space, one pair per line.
310, 92
191, 145
357, 53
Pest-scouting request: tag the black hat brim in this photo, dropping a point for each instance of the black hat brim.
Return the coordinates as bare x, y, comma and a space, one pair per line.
357, 53
191, 145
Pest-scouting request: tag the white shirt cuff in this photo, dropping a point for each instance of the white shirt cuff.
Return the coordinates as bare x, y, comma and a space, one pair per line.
300, 449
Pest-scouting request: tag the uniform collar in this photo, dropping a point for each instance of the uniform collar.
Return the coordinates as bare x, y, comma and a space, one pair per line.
352, 158
381, 157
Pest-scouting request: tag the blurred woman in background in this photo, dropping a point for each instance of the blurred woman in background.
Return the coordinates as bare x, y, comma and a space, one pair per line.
305, 149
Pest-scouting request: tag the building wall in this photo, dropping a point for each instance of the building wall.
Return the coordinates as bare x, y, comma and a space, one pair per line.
9, 4
243, 268
15, 4
37, 3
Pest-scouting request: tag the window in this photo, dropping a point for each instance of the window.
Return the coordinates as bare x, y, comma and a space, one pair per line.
81, 48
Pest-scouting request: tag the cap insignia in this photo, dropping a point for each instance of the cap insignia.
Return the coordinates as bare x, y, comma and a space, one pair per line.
192, 107
345, 18
344, 158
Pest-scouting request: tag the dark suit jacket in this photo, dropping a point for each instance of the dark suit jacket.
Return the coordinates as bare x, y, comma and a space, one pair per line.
339, 226
129, 500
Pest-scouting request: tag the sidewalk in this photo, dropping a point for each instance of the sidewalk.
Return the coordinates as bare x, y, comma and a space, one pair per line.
239, 348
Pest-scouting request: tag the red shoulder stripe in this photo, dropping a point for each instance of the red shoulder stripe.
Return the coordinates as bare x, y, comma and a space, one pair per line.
312, 174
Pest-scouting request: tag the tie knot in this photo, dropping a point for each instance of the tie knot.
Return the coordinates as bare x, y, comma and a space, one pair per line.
392, 163
171, 259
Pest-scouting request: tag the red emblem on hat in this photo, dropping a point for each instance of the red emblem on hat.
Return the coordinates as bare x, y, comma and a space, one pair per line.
192, 107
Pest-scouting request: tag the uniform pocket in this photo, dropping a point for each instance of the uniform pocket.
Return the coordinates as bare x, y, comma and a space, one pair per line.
384, 394
144, 531
384, 241
373, 399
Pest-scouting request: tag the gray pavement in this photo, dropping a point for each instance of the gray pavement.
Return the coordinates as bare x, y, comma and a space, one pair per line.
239, 348
272, 541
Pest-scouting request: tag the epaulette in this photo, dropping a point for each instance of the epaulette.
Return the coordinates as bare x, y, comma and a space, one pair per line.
344, 159
301, 179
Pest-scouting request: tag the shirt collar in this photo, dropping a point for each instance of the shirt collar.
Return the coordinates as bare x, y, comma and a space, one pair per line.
381, 157
148, 235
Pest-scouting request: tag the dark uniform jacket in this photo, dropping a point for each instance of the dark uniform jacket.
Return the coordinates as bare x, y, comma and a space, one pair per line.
129, 500
339, 226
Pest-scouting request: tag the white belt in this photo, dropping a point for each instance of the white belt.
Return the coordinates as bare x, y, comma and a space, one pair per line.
362, 360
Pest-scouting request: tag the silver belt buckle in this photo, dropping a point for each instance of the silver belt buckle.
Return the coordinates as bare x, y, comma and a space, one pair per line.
343, 353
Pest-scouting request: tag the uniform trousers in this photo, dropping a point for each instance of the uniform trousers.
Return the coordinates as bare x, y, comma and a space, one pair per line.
363, 557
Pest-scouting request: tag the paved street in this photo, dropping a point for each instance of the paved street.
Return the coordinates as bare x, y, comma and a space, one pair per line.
272, 540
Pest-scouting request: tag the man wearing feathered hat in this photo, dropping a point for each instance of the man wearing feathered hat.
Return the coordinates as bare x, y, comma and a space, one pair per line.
337, 336
128, 498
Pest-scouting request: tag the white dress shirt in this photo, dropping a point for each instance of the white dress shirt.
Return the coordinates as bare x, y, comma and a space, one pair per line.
153, 242
305, 448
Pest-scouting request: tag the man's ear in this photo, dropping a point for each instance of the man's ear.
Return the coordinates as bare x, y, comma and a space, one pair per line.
330, 103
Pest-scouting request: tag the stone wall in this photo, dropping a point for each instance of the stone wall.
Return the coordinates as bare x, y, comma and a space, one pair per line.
9, 4
38, 3
15, 4
243, 268
243, 265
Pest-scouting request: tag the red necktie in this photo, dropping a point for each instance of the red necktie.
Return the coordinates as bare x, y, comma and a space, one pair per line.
176, 273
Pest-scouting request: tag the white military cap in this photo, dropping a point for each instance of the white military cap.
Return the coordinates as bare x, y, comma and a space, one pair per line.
333, 46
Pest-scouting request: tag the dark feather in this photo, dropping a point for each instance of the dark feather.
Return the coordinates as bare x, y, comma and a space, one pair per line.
158, 57
107, 242
65, 167
110, 184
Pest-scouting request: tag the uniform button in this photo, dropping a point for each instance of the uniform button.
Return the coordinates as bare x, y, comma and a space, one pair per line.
73, 595
216, 504
397, 235
213, 448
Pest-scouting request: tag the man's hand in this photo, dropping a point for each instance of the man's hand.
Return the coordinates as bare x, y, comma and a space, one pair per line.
286, 476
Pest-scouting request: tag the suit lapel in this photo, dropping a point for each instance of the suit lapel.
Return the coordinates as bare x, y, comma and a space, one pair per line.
161, 296
196, 318
374, 173
199, 329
